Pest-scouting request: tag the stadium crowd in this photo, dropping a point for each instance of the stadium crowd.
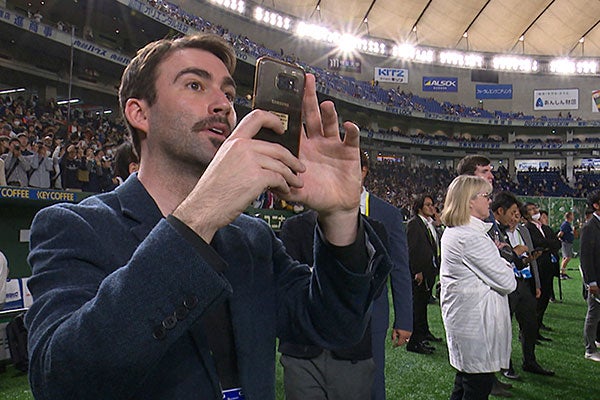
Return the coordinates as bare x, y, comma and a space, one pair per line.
40, 147
331, 81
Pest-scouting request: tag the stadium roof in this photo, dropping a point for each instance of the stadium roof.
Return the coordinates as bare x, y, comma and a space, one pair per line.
548, 27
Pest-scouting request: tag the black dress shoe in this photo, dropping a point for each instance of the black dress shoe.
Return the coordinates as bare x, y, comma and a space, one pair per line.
498, 391
502, 385
427, 345
537, 369
432, 338
546, 328
543, 338
418, 348
511, 374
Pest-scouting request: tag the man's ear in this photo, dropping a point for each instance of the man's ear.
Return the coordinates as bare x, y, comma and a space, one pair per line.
136, 114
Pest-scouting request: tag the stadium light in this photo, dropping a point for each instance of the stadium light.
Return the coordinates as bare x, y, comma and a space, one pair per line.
562, 66
72, 101
271, 18
9, 91
405, 51
509, 63
239, 6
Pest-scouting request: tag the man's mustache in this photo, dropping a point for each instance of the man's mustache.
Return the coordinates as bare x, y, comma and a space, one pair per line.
209, 122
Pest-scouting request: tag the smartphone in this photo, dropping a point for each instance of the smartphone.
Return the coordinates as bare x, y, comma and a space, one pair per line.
279, 88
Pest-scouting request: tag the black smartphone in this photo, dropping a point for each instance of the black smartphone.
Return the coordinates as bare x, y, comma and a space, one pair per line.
279, 88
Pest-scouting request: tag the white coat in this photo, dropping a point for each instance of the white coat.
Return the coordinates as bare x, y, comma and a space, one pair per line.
475, 283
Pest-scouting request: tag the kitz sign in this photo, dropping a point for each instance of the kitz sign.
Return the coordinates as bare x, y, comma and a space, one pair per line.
395, 75
440, 84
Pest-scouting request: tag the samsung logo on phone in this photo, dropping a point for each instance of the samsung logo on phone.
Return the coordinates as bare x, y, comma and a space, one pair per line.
280, 103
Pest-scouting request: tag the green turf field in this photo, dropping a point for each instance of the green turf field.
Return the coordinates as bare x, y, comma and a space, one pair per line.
416, 376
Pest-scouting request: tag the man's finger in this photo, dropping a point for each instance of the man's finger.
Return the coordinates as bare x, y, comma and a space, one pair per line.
254, 121
351, 135
310, 108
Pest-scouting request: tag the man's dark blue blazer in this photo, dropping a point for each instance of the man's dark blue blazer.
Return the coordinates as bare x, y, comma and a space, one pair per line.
401, 286
119, 294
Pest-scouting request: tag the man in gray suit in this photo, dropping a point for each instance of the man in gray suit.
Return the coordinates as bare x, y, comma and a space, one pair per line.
519, 252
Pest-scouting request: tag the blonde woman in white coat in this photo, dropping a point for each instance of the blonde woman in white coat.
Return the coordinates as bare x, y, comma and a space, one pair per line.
475, 283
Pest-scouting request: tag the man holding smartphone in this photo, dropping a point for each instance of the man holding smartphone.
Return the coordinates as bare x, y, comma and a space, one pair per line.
184, 297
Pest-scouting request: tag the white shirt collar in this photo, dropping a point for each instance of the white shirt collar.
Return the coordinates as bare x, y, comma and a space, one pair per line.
480, 225
363, 201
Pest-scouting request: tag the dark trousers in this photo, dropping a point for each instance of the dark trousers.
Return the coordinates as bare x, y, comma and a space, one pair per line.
378, 349
421, 295
472, 386
522, 304
325, 377
546, 283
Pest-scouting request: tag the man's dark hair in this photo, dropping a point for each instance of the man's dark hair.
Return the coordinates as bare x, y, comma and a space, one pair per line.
124, 156
505, 200
419, 202
593, 198
139, 78
469, 164
523, 208
589, 210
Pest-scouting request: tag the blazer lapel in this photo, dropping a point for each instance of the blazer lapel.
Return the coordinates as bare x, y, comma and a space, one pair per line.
137, 204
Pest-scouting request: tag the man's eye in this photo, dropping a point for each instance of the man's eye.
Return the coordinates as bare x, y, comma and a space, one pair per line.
195, 86
230, 97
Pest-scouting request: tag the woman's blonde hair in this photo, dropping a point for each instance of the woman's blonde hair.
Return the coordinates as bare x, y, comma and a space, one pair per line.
461, 191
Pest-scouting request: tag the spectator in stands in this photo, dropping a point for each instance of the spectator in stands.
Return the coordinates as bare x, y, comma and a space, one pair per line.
566, 236
16, 166
189, 295
475, 281
69, 165
24, 141
4, 148
7, 131
126, 162
2, 173
41, 167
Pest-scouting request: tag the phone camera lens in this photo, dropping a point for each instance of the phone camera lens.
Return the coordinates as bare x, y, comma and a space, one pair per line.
286, 82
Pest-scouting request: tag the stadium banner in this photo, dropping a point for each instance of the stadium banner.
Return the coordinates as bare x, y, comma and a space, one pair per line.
344, 64
497, 92
14, 294
24, 193
394, 75
56, 35
556, 99
596, 101
164, 18
590, 162
440, 84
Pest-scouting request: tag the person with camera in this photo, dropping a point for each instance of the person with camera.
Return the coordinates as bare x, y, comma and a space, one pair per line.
162, 287
16, 165
41, 166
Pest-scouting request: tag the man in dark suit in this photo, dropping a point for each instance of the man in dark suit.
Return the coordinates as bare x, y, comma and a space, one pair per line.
590, 266
424, 259
542, 238
349, 370
161, 287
